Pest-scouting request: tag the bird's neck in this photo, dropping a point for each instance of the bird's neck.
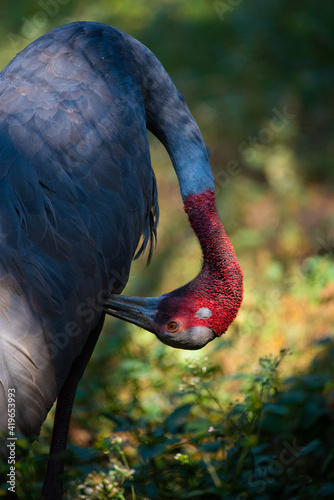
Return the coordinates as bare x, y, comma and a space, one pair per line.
220, 261
169, 119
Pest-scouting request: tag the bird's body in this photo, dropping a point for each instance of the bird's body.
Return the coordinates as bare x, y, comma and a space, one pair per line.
77, 193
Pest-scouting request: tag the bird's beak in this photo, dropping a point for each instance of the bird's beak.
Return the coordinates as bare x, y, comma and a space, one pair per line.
140, 311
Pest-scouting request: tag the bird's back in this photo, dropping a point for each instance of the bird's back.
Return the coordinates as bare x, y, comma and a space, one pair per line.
77, 191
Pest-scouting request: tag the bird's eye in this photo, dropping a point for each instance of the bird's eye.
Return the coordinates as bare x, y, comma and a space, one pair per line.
173, 326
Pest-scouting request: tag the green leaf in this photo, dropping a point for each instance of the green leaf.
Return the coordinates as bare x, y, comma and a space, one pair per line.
177, 419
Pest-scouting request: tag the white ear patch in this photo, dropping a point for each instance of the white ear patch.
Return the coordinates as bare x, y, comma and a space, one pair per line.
204, 313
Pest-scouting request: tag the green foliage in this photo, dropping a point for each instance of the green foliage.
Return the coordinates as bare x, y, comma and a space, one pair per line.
263, 445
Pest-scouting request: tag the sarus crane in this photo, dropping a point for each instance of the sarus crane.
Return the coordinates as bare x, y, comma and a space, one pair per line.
78, 198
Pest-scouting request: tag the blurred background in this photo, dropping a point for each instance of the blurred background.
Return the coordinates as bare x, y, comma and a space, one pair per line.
258, 77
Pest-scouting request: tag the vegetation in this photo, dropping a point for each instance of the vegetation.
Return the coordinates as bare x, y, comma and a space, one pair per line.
250, 416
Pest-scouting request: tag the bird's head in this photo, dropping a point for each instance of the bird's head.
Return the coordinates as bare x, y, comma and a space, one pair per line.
196, 313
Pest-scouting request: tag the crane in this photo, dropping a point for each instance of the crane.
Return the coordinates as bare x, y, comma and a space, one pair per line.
78, 201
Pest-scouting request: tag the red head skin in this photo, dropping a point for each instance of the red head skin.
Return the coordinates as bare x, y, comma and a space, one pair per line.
193, 315
219, 285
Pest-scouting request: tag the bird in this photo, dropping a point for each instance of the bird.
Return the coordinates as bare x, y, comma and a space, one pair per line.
78, 202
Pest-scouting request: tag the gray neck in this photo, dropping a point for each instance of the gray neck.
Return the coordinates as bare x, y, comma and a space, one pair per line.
191, 163
170, 120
